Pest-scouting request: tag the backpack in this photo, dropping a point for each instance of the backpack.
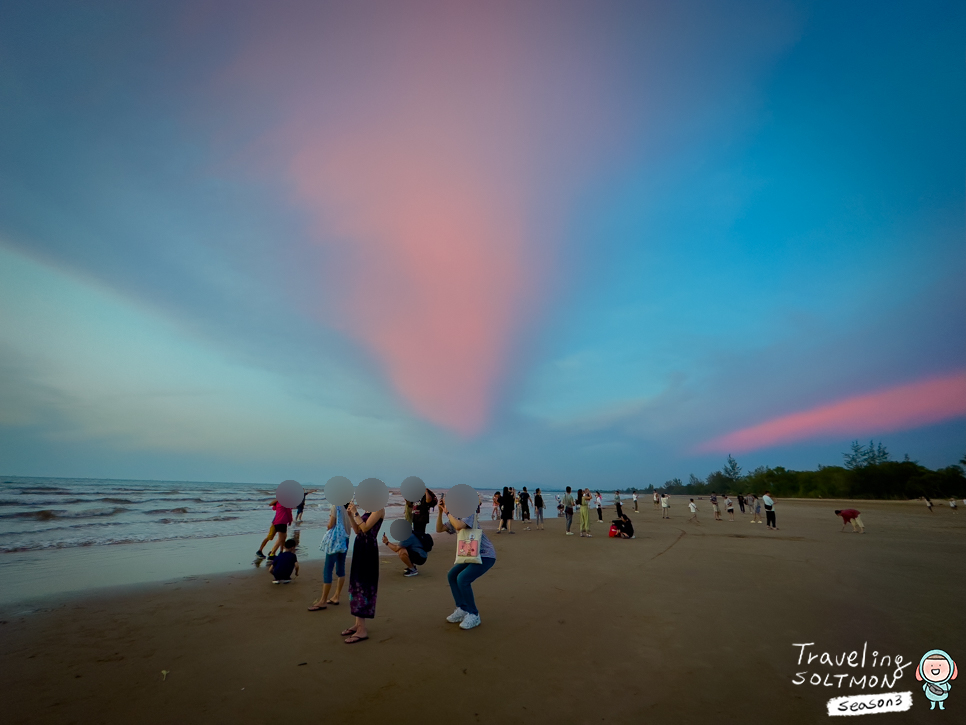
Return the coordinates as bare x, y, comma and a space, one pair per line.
427, 541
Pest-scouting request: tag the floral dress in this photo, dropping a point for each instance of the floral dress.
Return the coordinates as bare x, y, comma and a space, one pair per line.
364, 572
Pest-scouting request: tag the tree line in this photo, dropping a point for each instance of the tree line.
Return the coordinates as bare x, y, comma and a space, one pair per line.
867, 472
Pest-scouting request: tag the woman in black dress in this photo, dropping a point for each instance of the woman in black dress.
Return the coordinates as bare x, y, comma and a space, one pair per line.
506, 510
364, 574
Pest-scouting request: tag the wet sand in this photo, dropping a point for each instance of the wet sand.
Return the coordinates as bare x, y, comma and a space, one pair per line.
684, 623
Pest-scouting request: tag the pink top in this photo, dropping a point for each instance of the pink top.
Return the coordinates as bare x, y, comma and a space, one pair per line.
283, 515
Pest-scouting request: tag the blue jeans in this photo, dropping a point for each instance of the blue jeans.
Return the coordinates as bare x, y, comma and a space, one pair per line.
333, 560
461, 578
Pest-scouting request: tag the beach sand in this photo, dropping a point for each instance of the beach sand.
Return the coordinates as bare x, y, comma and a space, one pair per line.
683, 624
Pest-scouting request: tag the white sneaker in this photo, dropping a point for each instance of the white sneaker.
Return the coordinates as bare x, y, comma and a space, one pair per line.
570, 533
470, 621
457, 616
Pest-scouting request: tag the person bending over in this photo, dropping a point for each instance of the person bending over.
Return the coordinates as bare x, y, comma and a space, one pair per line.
411, 552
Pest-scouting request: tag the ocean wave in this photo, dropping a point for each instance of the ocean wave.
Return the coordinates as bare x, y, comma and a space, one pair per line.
50, 514
197, 521
182, 510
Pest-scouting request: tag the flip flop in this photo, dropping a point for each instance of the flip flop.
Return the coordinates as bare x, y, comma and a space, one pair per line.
334, 604
353, 639
348, 632
316, 608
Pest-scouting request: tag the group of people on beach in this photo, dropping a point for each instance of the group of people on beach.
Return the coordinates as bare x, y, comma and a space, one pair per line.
752, 502
364, 567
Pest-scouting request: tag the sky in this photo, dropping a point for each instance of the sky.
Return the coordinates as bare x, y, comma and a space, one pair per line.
483, 243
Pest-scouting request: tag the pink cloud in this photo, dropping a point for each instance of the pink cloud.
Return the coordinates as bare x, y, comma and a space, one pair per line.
423, 148
899, 408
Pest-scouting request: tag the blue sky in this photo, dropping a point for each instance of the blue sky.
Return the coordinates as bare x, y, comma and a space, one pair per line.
562, 243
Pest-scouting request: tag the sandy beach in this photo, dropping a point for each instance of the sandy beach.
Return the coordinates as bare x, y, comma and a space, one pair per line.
684, 623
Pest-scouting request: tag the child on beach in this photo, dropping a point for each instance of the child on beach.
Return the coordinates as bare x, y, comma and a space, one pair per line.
665, 506
284, 564
694, 512
730, 508
756, 519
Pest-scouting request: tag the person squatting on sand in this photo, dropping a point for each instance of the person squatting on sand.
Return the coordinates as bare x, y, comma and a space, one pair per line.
335, 544
625, 529
584, 512
411, 552
568, 504
462, 575
853, 516
285, 563
364, 571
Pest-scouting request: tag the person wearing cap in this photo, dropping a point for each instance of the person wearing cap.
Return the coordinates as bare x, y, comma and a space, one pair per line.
853, 516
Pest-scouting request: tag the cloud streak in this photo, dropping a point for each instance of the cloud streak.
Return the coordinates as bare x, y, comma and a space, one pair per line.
899, 408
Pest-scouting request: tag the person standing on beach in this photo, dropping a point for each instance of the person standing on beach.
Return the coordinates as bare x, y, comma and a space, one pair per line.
952, 505
851, 515
364, 571
506, 510
516, 500
338, 540
462, 576
420, 519
694, 512
665, 506
714, 506
538, 505
495, 513
525, 507
657, 501
730, 508
568, 504
635, 499
929, 504
617, 503
600, 507
741, 502
756, 519
769, 511
585, 497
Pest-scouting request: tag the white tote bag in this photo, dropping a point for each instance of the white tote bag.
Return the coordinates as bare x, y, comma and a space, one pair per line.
469, 542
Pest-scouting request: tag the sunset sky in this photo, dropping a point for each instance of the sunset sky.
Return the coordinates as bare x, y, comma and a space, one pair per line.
479, 242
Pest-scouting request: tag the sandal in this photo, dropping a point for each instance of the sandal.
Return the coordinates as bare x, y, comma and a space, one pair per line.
353, 639
316, 608
348, 632
334, 604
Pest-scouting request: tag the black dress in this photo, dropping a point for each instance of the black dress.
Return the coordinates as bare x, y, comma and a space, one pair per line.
506, 507
364, 572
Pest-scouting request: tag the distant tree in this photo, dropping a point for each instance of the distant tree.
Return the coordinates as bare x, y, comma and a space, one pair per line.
731, 470
695, 481
856, 457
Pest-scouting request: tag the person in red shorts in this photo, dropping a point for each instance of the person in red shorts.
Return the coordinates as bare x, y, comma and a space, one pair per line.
851, 515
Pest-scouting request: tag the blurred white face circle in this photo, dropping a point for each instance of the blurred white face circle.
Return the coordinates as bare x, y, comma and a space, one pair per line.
462, 500
400, 529
413, 489
289, 494
338, 490
372, 494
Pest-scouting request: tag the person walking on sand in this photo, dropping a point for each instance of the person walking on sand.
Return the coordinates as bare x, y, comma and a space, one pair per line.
853, 516
364, 571
585, 497
599, 500
525, 507
506, 510
693, 507
928, 504
336, 544
741, 502
538, 507
730, 508
283, 517
462, 576
568, 504
665, 506
271, 533
769, 511
634, 496
952, 505
617, 503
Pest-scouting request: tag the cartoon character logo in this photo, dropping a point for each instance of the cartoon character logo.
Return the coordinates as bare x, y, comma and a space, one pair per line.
936, 669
